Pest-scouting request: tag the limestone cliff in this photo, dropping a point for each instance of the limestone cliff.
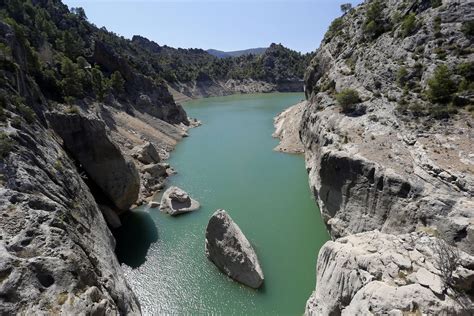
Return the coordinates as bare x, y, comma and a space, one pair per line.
67, 137
384, 151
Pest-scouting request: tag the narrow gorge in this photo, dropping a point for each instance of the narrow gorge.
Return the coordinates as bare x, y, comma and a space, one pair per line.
116, 153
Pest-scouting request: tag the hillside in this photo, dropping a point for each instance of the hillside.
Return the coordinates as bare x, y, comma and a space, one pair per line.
388, 140
195, 73
237, 53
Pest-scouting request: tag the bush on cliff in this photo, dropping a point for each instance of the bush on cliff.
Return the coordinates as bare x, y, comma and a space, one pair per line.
409, 25
347, 98
374, 21
6, 145
441, 86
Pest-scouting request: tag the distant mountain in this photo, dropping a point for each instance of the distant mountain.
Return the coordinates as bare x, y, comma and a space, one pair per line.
237, 53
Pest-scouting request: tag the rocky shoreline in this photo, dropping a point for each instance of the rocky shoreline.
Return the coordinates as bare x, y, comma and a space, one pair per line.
213, 88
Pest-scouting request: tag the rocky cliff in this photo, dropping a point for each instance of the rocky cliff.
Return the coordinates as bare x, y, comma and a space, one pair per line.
388, 145
82, 132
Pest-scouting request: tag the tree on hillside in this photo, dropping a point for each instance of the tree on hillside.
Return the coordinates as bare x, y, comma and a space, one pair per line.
346, 7
117, 82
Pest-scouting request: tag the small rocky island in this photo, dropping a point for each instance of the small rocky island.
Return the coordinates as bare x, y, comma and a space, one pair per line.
175, 201
229, 249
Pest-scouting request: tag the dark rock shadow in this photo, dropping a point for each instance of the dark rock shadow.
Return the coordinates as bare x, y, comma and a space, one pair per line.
134, 238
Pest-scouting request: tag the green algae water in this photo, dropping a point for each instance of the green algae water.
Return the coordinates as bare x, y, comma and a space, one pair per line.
228, 163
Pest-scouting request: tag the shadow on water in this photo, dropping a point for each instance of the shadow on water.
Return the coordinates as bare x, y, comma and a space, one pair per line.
134, 238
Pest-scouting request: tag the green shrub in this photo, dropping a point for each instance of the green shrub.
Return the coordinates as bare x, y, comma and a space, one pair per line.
72, 109
402, 76
334, 29
441, 86
374, 21
468, 28
347, 98
26, 112
6, 145
437, 27
466, 70
436, 3
99, 84
409, 25
117, 82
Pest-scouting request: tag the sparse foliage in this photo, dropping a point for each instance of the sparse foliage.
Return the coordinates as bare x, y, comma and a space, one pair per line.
6, 145
347, 98
441, 86
117, 82
409, 25
447, 259
346, 7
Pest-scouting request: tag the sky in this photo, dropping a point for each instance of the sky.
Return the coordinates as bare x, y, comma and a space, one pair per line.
225, 25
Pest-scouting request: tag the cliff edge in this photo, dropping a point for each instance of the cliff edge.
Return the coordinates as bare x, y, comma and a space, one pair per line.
388, 137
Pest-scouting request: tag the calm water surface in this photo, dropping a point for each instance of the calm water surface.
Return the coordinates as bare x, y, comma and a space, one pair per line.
228, 163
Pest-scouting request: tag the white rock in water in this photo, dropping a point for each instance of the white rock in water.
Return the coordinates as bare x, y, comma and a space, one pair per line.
176, 201
228, 248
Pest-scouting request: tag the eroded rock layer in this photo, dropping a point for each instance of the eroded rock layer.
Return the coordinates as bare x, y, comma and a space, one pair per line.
385, 152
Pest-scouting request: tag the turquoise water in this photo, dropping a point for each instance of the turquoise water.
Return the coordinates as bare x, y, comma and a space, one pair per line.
228, 163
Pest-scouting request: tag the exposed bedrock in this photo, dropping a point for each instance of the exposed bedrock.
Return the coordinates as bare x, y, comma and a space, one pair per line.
382, 274
229, 249
385, 167
378, 168
87, 140
287, 129
57, 253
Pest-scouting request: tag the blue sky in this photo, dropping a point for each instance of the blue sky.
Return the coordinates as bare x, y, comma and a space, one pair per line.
225, 25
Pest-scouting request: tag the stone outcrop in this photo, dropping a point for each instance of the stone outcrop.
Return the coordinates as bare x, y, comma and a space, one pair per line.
381, 165
383, 274
209, 88
87, 141
57, 254
228, 248
175, 201
383, 170
146, 153
287, 129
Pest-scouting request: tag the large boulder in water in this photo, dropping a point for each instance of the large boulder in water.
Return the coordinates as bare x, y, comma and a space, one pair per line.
231, 252
87, 141
175, 201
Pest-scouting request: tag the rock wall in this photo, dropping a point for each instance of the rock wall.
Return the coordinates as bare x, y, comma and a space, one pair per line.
56, 249
383, 274
374, 168
57, 252
211, 88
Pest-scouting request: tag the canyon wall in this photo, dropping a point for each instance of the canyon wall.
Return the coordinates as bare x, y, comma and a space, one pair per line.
393, 159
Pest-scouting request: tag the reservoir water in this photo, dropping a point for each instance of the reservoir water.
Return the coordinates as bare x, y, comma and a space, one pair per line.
228, 163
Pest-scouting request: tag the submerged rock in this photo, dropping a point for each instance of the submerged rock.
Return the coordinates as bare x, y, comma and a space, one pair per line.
176, 201
228, 248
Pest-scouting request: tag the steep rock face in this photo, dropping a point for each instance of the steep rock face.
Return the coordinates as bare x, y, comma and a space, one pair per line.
228, 248
287, 129
144, 94
375, 168
387, 162
57, 252
86, 139
376, 273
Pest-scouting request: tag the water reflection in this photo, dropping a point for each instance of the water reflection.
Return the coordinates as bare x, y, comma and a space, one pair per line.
134, 238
